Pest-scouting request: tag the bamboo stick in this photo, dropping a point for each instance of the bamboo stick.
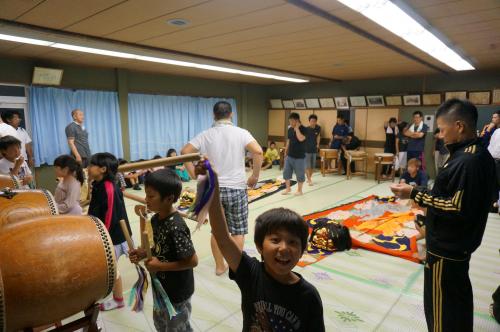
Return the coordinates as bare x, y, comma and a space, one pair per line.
159, 162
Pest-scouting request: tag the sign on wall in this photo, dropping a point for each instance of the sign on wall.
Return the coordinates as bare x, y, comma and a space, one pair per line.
429, 121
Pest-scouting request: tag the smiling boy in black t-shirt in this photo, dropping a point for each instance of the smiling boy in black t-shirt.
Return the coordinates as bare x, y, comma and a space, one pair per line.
174, 256
273, 298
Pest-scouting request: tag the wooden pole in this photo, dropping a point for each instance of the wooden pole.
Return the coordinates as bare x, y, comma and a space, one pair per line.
168, 161
145, 241
126, 234
133, 197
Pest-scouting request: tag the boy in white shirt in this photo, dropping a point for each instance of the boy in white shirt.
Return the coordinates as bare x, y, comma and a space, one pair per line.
12, 162
13, 118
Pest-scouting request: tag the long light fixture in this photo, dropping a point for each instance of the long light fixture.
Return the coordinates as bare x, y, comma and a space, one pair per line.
135, 56
25, 40
397, 21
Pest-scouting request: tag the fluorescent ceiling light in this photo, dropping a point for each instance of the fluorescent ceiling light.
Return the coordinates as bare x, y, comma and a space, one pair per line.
149, 58
394, 19
218, 68
93, 50
25, 40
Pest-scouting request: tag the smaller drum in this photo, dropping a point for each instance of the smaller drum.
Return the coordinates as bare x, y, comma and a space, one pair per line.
9, 181
357, 154
329, 153
26, 204
385, 158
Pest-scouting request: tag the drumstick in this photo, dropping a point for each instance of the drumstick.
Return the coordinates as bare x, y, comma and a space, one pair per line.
159, 162
145, 240
134, 197
126, 234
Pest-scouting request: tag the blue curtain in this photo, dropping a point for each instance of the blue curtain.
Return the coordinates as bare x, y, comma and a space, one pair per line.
50, 111
158, 123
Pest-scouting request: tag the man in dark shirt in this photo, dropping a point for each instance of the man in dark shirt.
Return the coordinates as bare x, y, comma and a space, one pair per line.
490, 128
350, 142
416, 133
295, 154
340, 130
78, 138
312, 145
457, 211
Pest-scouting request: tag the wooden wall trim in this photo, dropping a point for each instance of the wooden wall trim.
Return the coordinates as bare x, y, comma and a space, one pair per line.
276, 138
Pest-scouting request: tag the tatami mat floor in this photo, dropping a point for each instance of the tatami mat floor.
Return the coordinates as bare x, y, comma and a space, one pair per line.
361, 290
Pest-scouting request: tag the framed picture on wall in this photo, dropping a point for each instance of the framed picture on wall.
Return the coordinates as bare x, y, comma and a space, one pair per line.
288, 104
480, 97
496, 96
326, 102
375, 101
342, 103
276, 103
393, 101
312, 103
411, 100
299, 104
455, 94
357, 101
431, 99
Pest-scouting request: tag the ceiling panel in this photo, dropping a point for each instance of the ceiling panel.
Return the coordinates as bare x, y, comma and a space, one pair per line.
129, 14
6, 46
228, 26
267, 33
286, 29
12, 9
58, 14
453, 8
200, 15
27, 50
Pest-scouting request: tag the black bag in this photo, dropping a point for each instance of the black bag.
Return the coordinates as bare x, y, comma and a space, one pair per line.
329, 235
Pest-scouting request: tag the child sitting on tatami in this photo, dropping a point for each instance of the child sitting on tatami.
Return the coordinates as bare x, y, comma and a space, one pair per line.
414, 175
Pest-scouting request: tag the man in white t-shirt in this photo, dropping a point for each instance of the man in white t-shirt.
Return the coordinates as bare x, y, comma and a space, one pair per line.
12, 162
224, 144
13, 118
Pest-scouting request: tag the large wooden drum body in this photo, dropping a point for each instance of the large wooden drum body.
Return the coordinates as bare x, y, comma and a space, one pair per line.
25, 205
51, 268
9, 181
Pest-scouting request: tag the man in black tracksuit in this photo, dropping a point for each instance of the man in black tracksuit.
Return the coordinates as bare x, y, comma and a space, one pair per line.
457, 210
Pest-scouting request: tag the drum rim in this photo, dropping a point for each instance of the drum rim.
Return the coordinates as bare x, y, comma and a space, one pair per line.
17, 184
108, 252
48, 196
51, 200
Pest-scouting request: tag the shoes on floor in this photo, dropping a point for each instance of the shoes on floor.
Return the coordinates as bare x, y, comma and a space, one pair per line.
111, 304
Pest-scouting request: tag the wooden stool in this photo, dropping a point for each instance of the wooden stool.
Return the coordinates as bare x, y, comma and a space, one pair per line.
353, 156
384, 159
327, 156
